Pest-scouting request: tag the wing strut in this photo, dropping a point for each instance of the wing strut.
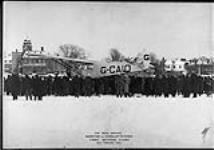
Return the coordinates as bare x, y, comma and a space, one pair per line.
66, 65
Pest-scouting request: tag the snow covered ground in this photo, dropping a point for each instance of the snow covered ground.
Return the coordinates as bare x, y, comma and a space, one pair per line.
63, 122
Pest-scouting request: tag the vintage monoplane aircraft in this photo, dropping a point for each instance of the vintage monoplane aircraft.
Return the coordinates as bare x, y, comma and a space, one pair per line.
97, 68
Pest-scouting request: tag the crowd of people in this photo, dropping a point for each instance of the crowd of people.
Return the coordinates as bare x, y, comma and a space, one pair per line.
35, 87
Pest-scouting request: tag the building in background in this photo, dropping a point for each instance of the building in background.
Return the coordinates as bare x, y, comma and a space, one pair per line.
180, 65
19, 62
200, 66
7, 63
177, 65
33, 64
15, 57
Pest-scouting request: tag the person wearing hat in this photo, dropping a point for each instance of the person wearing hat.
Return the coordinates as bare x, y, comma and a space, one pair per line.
15, 85
27, 87
126, 83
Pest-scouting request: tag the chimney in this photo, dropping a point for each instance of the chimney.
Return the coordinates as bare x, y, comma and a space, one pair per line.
16, 50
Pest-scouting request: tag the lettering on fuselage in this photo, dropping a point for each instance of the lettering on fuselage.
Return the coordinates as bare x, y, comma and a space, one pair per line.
112, 69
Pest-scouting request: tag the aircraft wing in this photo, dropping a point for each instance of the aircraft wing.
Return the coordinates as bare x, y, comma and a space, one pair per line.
62, 58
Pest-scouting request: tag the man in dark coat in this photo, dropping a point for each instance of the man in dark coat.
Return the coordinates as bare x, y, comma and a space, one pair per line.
76, 86
126, 82
57, 85
49, 85
96, 86
41, 91
65, 85
147, 86
158, 87
119, 85
132, 85
166, 85
21, 80
27, 86
208, 85
180, 82
194, 83
15, 86
172, 85
187, 86
88, 86
99, 85
200, 85
37, 88
142, 85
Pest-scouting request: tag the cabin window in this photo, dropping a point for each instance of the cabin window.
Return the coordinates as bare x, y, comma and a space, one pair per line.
84, 67
90, 67
80, 66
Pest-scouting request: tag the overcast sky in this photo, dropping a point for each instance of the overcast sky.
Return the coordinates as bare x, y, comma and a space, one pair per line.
168, 29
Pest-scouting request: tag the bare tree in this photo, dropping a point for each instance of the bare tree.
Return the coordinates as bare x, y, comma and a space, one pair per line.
115, 55
72, 51
154, 58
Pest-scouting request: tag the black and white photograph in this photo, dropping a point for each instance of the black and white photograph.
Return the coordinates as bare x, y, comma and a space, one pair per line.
107, 75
